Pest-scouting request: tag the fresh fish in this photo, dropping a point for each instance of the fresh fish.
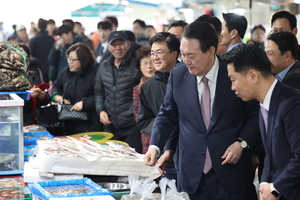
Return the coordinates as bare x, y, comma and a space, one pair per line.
6, 157
5, 131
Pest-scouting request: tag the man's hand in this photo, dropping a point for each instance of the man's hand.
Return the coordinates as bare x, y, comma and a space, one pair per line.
77, 106
37, 92
59, 44
232, 154
104, 118
163, 161
150, 157
265, 193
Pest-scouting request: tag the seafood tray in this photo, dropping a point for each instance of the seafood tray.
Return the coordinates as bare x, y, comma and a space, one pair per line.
11, 181
81, 156
70, 189
15, 193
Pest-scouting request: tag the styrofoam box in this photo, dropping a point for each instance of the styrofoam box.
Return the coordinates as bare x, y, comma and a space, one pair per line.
32, 175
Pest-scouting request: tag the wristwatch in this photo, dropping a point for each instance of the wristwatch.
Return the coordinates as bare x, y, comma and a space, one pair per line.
274, 191
243, 143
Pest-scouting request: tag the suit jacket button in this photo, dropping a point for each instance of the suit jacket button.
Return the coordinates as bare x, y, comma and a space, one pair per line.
273, 171
207, 135
202, 153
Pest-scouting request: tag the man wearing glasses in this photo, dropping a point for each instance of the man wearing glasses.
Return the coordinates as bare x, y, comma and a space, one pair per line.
164, 52
284, 21
115, 80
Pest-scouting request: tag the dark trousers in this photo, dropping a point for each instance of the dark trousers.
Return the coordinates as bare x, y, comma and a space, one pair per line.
131, 135
171, 173
210, 189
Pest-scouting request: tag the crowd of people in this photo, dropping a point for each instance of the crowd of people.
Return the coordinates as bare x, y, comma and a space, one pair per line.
208, 109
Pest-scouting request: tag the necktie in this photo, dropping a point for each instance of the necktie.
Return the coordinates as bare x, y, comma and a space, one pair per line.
264, 114
205, 109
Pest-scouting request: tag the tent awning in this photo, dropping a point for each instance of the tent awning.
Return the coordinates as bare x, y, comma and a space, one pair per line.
94, 10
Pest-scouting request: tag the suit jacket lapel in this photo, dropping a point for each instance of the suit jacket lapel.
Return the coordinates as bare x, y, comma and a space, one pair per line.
272, 115
193, 98
221, 94
262, 127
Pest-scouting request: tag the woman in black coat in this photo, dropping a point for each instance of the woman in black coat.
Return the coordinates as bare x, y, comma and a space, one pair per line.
75, 86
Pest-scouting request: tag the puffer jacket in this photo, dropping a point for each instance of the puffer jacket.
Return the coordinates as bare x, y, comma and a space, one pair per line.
113, 92
75, 87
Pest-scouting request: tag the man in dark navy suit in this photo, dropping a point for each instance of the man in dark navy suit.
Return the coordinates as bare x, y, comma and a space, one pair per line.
282, 49
217, 129
250, 72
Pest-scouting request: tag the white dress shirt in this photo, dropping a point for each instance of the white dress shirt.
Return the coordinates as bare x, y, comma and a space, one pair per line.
267, 100
211, 75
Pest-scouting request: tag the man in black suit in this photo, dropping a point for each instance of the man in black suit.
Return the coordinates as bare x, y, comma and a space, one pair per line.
101, 52
284, 21
282, 49
216, 127
250, 73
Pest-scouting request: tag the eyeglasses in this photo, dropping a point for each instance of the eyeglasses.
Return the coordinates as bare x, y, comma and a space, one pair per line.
71, 60
279, 30
158, 53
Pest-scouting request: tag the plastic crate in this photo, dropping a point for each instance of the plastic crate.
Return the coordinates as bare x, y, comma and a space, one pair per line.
39, 189
15, 193
22, 94
30, 138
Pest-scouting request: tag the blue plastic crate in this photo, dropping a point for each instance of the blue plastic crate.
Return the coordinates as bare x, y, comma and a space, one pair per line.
40, 188
30, 138
22, 94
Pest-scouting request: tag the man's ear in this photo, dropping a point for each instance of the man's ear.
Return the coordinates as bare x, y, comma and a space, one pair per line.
212, 51
295, 31
288, 55
128, 44
253, 75
220, 38
174, 54
234, 33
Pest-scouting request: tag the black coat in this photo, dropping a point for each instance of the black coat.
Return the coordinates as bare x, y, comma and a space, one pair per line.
151, 97
77, 87
113, 92
40, 47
